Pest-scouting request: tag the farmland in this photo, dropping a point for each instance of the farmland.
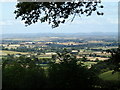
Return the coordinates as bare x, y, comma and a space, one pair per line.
62, 59
5, 52
93, 47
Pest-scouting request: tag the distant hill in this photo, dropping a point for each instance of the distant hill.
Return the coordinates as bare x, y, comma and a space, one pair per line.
37, 35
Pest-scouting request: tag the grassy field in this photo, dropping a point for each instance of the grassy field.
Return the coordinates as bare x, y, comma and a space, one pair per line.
5, 52
105, 48
44, 57
108, 76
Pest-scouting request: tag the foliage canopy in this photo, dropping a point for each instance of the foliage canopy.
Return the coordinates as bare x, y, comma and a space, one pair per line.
54, 13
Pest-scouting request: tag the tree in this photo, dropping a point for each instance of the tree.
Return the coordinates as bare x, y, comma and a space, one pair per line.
22, 73
54, 13
113, 63
115, 59
68, 74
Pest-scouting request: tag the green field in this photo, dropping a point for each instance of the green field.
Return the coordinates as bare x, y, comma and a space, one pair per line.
44, 57
108, 76
88, 64
5, 52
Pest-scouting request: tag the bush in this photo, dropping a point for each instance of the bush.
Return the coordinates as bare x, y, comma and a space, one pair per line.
67, 74
15, 76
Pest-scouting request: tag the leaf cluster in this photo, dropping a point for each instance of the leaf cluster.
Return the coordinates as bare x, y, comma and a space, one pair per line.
54, 13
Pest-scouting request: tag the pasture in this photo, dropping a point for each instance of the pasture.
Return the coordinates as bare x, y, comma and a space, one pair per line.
108, 76
5, 52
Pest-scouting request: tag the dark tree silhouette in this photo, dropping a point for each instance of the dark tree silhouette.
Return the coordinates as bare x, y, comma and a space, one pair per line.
54, 12
68, 74
115, 58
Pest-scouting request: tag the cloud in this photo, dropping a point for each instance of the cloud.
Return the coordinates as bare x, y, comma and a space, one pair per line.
110, 0
57, 0
10, 22
95, 21
8, 0
2, 23
112, 20
87, 21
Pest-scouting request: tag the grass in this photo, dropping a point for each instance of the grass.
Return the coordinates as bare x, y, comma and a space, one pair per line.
5, 52
44, 57
89, 63
108, 76
105, 48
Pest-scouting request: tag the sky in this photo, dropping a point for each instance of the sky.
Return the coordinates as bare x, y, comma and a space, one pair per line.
94, 23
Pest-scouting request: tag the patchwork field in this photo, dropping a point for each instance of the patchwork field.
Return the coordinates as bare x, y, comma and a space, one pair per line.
5, 52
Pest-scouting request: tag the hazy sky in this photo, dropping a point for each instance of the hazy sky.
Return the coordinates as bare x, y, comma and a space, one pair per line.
94, 23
